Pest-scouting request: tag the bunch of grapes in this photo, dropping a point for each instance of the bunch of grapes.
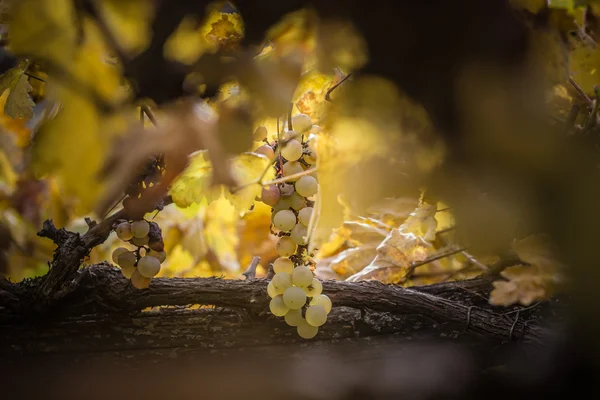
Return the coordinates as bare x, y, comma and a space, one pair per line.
294, 290
143, 263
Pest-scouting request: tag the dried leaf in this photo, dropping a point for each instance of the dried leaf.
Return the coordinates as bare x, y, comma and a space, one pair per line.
394, 256
351, 261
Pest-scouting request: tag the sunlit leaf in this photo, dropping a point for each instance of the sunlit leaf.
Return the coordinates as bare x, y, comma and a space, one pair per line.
221, 233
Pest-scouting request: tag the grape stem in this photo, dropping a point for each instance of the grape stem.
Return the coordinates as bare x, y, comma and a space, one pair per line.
289, 177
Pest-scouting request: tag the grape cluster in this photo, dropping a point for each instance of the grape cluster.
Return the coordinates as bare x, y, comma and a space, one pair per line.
143, 263
295, 292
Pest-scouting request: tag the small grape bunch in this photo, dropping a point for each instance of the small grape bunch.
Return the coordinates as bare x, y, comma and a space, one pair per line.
292, 206
143, 263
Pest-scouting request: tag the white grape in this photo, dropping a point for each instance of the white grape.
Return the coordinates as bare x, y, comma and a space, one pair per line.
283, 204
299, 235
278, 307
310, 158
284, 220
271, 291
302, 276
283, 264
297, 202
127, 271
270, 195
149, 266
139, 281
316, 315
301, 122
307, 186
291, 168
289, 135
160, 255
314, 289
292, 150
322, 300
118, 251
294, 298
294, 317
140, 228
285, 246
266, 150
260, 134
126, 259
123, 231
316, 129
282, 281
304, 215
140, 241
307, 331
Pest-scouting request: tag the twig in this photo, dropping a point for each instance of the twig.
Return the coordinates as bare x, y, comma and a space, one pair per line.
571, 118
250, 272
592, 121
435, 258
328, 94
146, 110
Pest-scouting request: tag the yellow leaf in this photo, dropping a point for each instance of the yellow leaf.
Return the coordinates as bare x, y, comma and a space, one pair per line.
221, 233
17, 127
18, 103
585, 67
247, 168
191, 39
129, 21
533, 6
194, 184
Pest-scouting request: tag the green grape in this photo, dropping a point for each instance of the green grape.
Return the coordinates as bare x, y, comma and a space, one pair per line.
297, 202
285, 246
292, 150
314, 289
294, 298
307, 186
270, 195
160, 255
140, 228
278, 307
307, 331
271, 291
281, 281
322, 300
123, 231
301, 123
284, 220
260, 134
291, 168
294, 317
302, 276
287, 189
266, 150
283, 264
304, 215
316, 315
118, 251
140, 241
139, 281
127, 271
148, 266
299, 235
126, 259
